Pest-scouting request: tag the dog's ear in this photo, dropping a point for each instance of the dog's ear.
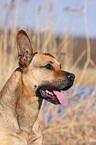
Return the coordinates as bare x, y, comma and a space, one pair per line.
25, 50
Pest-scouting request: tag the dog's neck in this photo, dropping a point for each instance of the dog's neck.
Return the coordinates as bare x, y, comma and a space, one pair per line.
22, 103
28, 106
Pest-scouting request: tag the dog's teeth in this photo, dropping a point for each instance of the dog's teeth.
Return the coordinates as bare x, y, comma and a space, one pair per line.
48, 92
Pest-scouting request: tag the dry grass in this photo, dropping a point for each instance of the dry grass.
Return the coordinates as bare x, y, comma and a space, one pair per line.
75, 124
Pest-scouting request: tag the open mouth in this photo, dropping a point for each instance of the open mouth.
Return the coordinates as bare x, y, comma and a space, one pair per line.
53, 92
55, 97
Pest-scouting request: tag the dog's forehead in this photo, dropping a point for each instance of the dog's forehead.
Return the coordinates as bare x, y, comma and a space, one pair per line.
43, 59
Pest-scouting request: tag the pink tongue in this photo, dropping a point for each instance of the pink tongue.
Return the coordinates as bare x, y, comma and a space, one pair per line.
61, 98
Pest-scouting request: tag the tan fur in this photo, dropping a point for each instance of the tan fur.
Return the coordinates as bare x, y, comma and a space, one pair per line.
19, 105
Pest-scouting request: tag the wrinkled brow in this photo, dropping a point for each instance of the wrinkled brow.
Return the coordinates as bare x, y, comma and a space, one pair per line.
47, 53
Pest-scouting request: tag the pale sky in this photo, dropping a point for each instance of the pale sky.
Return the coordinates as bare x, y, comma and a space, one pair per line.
61, 16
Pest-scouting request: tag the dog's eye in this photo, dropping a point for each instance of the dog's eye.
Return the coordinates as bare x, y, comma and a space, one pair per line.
49, 66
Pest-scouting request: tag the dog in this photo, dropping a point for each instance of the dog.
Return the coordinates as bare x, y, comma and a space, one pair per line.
38, 77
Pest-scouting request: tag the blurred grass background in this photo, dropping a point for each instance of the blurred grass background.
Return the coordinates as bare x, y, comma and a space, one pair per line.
75, 124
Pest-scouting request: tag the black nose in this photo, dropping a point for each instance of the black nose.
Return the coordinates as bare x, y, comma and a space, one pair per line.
70, 76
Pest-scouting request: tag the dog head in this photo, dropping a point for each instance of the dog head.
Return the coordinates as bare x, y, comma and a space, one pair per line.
42, 73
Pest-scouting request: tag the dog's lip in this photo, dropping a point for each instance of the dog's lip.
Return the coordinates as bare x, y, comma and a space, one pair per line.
65, 87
